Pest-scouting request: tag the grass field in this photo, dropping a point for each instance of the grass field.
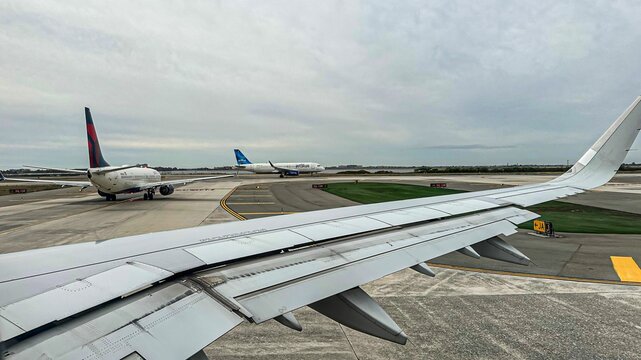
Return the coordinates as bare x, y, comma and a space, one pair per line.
371, 192
566, 217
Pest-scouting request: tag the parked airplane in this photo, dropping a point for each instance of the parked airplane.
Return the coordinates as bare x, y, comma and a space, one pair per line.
113, 180
167, 295
284, 169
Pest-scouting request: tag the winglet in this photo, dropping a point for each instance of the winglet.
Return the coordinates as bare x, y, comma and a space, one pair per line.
270, 164
602, 160
1, 177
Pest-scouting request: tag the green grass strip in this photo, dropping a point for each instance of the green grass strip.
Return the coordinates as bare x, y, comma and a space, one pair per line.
564, 216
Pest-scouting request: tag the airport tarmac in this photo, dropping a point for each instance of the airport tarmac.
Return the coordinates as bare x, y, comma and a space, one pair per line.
458, 314
463, 315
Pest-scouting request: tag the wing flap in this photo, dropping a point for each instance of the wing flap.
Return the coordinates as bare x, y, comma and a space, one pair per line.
64, 301
173, 321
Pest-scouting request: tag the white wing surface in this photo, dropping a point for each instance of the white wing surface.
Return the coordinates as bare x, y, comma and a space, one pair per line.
182, 182
167, 295
83, 184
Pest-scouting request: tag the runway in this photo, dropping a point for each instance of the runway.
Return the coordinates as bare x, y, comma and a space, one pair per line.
458, 314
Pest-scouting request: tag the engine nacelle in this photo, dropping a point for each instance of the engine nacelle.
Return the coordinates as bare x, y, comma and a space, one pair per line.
166, 190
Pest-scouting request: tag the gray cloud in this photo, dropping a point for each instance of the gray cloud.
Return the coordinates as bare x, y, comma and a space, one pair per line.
372, 82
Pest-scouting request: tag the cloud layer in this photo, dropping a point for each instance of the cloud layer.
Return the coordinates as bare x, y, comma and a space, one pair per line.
181, 83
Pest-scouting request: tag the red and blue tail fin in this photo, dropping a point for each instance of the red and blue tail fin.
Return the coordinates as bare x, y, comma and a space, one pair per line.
95, 155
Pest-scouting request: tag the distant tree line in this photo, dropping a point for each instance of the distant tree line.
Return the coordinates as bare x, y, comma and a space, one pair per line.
507, 169
489, 169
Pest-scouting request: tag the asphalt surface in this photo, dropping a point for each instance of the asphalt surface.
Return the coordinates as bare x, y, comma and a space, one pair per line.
463, 315
457, 315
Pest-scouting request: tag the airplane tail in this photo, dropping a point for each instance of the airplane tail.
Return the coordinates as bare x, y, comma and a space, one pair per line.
95, 154
241, 159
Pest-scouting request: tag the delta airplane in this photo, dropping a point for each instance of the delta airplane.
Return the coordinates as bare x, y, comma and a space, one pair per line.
284, 169
113, 180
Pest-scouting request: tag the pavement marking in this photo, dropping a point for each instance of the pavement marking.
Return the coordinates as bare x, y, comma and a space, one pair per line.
223, 204
537, 276
269, 213
626, 268
251, 203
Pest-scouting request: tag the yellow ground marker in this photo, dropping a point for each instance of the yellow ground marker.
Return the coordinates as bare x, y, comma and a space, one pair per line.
626, 268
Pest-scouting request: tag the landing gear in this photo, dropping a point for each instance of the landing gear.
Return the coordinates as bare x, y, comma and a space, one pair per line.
281, 175
149, 195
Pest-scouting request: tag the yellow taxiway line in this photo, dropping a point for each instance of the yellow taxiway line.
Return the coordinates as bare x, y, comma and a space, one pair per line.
223, 204
626, 268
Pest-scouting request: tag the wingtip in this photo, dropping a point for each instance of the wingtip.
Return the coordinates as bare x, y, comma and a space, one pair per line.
601, 161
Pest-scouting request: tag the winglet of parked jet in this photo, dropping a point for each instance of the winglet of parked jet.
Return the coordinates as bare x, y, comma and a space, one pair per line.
1, 177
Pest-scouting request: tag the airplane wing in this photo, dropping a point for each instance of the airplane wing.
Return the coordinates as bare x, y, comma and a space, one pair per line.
56, 169
82, 184
104, 171
284, 170
181, 182
167, 295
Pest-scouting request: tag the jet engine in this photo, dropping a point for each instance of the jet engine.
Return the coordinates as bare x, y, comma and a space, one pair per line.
166, 190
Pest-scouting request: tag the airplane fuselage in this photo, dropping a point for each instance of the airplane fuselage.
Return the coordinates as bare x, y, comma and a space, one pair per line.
266, 168
122, 181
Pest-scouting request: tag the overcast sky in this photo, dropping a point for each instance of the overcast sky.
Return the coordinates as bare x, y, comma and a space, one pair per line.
182, 83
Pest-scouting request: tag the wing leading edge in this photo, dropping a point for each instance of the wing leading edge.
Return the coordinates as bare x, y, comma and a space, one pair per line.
82, 184
182, 182
262, 269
